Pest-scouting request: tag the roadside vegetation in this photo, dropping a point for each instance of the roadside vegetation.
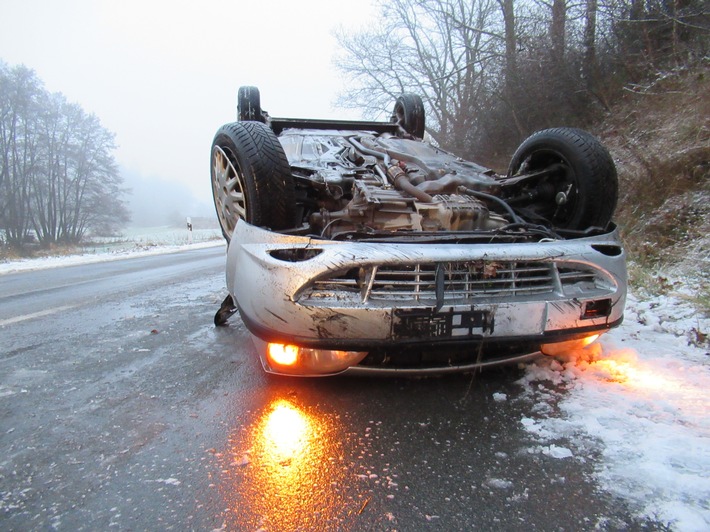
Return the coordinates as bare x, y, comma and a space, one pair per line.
659, 135
58, 177
634, 72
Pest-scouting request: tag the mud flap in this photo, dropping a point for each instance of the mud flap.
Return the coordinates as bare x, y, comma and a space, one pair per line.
226, 311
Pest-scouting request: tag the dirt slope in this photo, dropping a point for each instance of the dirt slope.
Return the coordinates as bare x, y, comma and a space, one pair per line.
659, 136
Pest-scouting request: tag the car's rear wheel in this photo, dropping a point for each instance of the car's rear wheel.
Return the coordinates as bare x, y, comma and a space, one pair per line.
251, 178
579, 186
249, 104
409, 114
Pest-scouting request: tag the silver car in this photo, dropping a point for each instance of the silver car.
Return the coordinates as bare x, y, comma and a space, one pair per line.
359, 246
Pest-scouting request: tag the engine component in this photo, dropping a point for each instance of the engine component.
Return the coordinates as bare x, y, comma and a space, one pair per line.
382, 209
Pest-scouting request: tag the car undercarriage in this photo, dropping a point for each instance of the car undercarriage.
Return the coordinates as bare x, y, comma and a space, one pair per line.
360, 237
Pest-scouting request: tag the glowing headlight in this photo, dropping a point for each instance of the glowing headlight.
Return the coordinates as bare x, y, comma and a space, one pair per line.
295, 360
560, 348
282, 355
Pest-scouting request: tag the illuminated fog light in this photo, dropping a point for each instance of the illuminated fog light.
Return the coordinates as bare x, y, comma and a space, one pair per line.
561, 348
282, 355
329, 360
589, 339
294, 360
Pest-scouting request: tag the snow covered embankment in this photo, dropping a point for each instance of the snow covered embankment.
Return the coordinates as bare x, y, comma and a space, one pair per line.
639, 397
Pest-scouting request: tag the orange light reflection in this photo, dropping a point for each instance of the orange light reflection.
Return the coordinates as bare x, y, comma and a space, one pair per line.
632, 374
290, 473
286, 434
667, 387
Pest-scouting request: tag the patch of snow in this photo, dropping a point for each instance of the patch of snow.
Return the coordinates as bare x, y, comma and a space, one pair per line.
6, 392
243, 461
169, 481
43, 263
498, 483
641, 392
555, 451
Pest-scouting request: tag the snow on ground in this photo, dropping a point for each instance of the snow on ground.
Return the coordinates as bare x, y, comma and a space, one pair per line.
135, 243
88, 258
639, 398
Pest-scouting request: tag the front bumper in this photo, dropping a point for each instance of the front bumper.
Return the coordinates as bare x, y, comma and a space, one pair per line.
381, 297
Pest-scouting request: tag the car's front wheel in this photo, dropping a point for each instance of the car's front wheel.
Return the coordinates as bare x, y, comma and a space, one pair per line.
251, 178
577, 185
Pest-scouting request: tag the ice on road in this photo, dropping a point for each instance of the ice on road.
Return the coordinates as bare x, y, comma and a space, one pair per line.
636, 401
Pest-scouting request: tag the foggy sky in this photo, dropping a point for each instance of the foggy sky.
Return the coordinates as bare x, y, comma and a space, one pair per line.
163, 74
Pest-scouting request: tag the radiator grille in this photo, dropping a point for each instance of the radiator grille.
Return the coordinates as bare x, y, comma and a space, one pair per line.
449, 282
455, 282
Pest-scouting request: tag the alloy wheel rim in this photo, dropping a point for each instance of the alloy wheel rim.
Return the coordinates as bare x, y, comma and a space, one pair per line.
229, 191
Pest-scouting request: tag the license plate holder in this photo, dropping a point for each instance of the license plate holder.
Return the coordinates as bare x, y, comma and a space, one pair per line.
447, 322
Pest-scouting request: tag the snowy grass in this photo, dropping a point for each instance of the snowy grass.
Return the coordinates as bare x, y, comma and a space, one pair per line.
133, 242
160, 236
639, 397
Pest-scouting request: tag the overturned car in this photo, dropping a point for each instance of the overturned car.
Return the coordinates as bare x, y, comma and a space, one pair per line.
357, 246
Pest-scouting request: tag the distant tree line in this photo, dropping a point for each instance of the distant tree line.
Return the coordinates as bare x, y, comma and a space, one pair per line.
58, 176
490, 72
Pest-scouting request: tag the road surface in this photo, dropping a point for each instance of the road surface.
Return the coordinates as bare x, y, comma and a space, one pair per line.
122, 407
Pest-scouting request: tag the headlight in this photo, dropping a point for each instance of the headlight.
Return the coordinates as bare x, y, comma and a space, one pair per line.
294, 360
561, 348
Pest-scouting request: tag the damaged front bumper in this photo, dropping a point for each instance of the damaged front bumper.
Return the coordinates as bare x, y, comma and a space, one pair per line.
409, 307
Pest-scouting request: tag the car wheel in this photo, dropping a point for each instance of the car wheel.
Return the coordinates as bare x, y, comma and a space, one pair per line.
251, 178
249, 104
579, 186
409, 114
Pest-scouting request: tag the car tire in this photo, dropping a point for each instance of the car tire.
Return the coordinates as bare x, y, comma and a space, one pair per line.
249, 104
251, 178
583, 179
409, 114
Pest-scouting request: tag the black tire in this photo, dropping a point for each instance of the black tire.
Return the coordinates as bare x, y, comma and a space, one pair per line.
249, 104
251, 178
409, 114
581, 188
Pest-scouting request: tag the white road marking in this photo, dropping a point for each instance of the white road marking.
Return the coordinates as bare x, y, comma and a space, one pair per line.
39, 314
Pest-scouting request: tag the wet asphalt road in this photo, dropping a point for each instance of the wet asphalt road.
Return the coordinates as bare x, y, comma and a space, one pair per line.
122, 407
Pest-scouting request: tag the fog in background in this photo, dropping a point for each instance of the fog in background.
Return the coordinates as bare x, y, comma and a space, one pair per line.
158, 201
163, 76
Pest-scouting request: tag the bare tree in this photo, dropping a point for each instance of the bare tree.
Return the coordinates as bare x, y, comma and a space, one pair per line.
20, 92
590, 50
558, 24
511, 44
493, 71
78, 175
444, 50
654, 34
58, 177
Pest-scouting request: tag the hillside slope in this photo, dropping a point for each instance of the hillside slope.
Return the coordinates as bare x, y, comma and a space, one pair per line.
659, 137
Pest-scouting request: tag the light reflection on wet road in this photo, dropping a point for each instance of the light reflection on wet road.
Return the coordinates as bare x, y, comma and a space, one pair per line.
415, 454
286, 468
127, 409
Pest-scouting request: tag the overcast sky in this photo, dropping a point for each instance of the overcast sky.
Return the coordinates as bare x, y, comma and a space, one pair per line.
163, 74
